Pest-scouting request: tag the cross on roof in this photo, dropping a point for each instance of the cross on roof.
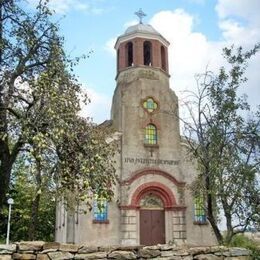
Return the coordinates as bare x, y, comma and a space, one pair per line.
140, 15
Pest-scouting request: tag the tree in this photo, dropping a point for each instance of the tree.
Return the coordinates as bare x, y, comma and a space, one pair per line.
29, 46
39, 104
225, 142
24, 189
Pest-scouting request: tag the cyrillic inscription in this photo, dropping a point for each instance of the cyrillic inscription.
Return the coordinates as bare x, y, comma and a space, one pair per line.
150, 161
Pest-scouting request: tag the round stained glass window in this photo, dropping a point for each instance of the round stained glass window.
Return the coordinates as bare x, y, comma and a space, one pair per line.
150, 105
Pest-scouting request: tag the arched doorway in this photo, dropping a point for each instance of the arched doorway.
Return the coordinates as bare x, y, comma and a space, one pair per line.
153, 200
152, 220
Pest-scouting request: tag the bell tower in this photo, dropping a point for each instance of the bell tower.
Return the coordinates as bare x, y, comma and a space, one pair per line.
152, 204
145, 111
141, 46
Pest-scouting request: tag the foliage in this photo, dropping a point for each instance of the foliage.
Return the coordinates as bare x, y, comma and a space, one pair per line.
23, 191
40, 99
241, 240
226, 145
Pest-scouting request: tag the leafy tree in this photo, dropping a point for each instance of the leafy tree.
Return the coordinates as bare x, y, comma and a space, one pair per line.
39, 104
225, 142
25, 190
30, 58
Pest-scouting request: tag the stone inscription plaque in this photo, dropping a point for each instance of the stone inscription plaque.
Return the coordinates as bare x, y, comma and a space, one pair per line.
137, 160
130, 76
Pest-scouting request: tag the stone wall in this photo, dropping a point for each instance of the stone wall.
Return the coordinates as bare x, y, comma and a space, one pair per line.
56, 251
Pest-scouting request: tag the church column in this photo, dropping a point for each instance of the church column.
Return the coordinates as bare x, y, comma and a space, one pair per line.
178, 226
138, 52
166, 60
121, 57
129, 225
156, 53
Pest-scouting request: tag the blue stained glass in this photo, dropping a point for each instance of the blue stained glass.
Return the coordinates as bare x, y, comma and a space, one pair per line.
100, 210
199, 210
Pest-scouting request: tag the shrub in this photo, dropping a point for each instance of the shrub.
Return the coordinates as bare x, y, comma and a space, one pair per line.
243, 241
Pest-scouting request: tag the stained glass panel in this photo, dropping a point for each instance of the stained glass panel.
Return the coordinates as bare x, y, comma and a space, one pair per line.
150, 105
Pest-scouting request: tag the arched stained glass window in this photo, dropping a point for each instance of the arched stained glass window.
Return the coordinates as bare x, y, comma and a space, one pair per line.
150, 105
100, 207
150, 134
199, 210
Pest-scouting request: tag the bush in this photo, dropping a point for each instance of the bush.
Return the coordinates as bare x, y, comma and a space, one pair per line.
243, 241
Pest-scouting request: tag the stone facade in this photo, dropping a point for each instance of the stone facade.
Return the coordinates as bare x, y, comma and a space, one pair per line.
152, 202
56, 251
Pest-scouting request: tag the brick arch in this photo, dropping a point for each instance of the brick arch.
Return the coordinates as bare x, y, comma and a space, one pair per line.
156, 171
151, 120
156, 188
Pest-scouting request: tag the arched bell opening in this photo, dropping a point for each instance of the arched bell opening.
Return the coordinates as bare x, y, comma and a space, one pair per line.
147, 51
129, 54
163, 58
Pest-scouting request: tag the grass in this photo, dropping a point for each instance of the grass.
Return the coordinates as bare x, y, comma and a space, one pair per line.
243, 241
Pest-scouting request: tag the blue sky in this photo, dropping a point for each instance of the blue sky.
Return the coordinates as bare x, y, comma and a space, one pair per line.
196, 29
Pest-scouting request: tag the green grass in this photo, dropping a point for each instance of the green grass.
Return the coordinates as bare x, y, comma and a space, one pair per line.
243, 241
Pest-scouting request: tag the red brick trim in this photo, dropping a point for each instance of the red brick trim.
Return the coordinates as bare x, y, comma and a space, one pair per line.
146, 171
150, 120
157, 189
94, 221
174, 208
146, 110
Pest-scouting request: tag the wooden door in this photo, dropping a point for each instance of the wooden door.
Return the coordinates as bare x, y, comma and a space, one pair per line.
152, 227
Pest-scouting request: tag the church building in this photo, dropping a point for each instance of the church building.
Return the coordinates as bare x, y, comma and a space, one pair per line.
152, 203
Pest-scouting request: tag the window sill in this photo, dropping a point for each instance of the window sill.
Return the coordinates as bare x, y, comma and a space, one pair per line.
100, 221
151, 146
200, 223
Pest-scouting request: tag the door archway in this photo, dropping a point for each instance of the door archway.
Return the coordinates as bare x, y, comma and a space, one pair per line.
152, 220
153, 200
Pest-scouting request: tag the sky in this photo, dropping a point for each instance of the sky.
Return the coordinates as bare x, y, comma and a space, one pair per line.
196, 29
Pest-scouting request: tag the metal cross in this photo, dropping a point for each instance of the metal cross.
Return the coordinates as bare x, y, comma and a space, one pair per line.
140, 15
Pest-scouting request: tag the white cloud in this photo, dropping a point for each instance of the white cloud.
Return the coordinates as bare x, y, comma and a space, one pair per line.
239, 20
240, 24
99, 107
131, 23
248, 10
191, 52
235, 32
109, 46
64, 6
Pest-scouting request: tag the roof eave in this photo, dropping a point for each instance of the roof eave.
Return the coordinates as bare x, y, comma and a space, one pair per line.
151, 36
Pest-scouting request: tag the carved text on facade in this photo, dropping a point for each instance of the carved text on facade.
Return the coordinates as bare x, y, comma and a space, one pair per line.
150, 161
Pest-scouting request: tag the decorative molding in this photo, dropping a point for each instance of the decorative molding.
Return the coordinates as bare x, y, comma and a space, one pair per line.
151, 120
157, 189
94, 221
154, 171
146, 110
131, 75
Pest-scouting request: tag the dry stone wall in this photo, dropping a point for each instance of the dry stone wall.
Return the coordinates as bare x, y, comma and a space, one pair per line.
56, 251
